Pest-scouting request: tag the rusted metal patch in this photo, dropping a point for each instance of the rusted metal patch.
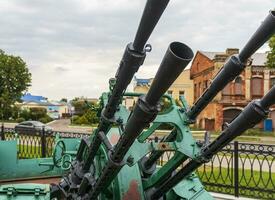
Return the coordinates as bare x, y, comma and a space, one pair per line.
114, 138
133, 192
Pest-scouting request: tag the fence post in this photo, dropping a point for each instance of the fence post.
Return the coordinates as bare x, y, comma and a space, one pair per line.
2, 132
236, 168
43, 143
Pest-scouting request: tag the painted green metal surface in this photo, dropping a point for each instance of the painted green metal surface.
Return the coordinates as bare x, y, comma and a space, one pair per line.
25, 192
13, 168
129, 183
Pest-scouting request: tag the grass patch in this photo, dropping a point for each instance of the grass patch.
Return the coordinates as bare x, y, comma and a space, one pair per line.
254, 184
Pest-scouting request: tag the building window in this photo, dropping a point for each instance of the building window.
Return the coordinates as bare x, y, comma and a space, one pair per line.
200, 89
272, 82
170, 92
195, 91
226, 90
256, 87
238, 86
205, 85
181, 93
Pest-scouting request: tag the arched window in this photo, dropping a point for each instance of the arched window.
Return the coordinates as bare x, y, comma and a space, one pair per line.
238, 86
256, 87
226, 92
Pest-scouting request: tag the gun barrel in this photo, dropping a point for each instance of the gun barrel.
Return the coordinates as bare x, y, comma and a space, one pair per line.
150, 17
264, 32
235, 65
252, 114
268, 99
134, 54
133, 58
177, 57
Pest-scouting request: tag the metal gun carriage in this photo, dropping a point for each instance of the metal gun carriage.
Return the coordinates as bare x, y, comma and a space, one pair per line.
118, 161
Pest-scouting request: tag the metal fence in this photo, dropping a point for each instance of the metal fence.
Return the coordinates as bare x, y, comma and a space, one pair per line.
240, 169
37, 144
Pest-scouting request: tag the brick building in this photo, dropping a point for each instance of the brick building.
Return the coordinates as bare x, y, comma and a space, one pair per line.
254, 82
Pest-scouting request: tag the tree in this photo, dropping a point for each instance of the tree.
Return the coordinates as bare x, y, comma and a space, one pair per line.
15, 78
36, 113
271, 54
64, 100
80, 107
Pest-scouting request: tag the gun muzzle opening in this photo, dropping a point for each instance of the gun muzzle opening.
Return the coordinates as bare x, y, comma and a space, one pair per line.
181, 51
272, 13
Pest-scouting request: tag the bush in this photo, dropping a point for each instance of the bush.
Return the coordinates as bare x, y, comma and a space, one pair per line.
81, 120
25, 114
38, 113
20, 119
257, 132
45, 119
74, 118
91, 116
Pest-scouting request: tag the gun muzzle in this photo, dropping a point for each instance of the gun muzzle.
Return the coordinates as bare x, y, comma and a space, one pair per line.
263, 33
252, 114
133, 57
175, 60
150, 17
177, 57
134, 54
235, 65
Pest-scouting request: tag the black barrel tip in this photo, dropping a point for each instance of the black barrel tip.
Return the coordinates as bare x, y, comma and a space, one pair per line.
272, 13
181, 51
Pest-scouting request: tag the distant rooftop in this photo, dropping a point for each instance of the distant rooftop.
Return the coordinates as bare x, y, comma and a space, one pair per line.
142, 81
258, 59
33, 98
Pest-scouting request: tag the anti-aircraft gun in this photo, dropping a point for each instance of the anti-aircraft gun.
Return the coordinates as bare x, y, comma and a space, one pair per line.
119, 162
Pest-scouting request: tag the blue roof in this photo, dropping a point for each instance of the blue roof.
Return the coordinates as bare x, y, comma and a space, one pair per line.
142, 81
29, 97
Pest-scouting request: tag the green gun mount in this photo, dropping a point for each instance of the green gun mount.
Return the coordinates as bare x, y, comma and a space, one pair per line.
120, 160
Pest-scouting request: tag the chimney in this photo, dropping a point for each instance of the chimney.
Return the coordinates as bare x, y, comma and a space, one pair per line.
220, 57
231, 51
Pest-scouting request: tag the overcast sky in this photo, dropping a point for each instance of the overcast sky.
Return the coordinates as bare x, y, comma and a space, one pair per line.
72, 47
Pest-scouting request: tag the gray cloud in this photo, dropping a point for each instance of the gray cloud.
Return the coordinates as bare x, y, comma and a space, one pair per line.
73, 47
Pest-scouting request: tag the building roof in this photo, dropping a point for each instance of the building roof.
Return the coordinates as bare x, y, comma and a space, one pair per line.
210, 55
258, 59
41, 103
34, 98
142, 81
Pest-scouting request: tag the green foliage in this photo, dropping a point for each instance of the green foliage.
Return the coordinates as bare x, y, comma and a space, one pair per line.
271, 54
86, 112
165, 104
20, 119
64, 100
257, 132
46, 119
37, 114
91, 116
15, 110
80, 107
81, 120
25, 114
15, 78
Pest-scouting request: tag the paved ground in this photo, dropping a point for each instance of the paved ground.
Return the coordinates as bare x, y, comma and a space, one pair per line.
64, 125
61, 125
